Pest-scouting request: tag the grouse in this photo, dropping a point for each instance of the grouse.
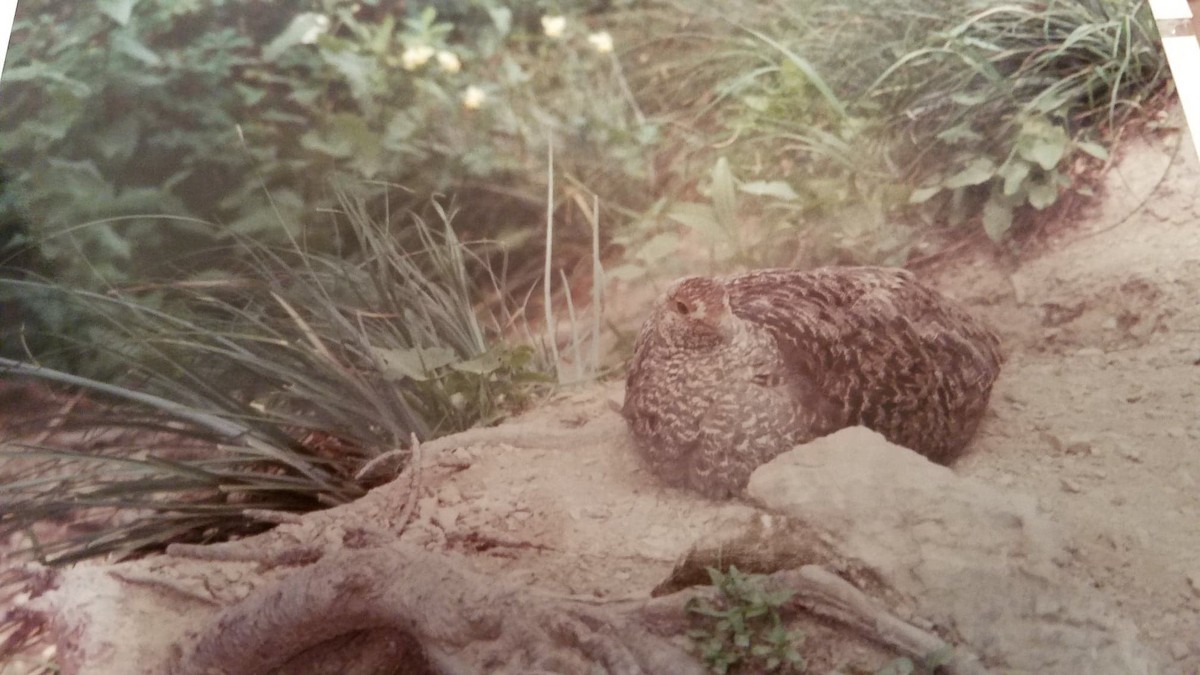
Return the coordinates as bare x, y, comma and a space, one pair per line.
729, 372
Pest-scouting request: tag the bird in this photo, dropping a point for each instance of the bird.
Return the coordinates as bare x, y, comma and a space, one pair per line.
729, 372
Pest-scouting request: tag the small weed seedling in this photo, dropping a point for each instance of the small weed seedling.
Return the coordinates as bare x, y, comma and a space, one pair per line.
743, 631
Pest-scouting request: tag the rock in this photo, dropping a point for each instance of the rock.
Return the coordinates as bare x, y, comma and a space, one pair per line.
1179, 650
1070, 485
958, 571
449, 495
446, 517
1143, 328
1132, 454
1078, 445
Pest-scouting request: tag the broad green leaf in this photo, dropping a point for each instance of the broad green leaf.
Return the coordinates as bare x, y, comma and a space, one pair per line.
303, 29
117, 10
724, 197
1042, 143
978, 171
1014, 173
997, 219
969, 99
1094, 149
660, 246
250, 96
957, 133
922, 195
1042, 194
119, 139
626, 272
128, 44
775, 188
699, 217
356, 69
41, 71
401, 128
484, 364
501, 19
416, 364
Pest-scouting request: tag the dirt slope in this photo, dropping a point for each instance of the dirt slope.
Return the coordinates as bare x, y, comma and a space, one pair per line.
1093, 428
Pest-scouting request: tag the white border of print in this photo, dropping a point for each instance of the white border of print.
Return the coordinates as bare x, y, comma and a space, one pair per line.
8, 10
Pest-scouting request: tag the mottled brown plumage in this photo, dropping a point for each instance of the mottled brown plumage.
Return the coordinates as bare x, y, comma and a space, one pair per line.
729, 372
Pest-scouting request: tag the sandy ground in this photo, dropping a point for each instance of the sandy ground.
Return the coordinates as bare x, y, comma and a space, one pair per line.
1095, 414
1096, 410
1094, 418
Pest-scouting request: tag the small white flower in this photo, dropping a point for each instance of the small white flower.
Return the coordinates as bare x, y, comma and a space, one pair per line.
554, 26
416, 56
601, 41
449, 61
458, 400
320, 25
473, 98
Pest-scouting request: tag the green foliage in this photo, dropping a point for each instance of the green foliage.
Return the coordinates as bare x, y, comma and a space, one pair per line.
131, 129
743, 632
303, 369
874, 114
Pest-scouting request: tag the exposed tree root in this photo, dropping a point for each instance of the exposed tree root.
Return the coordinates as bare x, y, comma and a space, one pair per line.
465, 622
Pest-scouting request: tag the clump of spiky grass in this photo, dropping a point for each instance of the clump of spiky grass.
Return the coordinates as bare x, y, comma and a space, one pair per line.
286, 380
933, 109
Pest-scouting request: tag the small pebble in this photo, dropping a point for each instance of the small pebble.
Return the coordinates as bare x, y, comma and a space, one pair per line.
445, 518
1070, 485
1142, 329
450, 495
1078, 445
1132, 455
1179, 650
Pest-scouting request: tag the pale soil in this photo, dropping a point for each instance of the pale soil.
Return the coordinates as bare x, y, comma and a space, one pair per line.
1084, 474
1096, 414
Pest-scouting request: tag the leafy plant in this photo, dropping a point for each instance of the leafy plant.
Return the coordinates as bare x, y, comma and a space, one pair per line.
744, 630
131, 129
884, 119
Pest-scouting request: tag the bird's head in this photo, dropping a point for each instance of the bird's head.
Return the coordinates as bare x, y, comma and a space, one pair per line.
695, 314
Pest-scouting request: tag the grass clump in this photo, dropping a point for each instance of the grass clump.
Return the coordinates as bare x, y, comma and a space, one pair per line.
853, 129
301, 370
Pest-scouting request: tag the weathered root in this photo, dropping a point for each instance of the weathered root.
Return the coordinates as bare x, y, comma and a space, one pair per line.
465, 622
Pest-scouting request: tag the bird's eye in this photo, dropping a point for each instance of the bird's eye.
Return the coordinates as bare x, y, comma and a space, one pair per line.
682, 307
